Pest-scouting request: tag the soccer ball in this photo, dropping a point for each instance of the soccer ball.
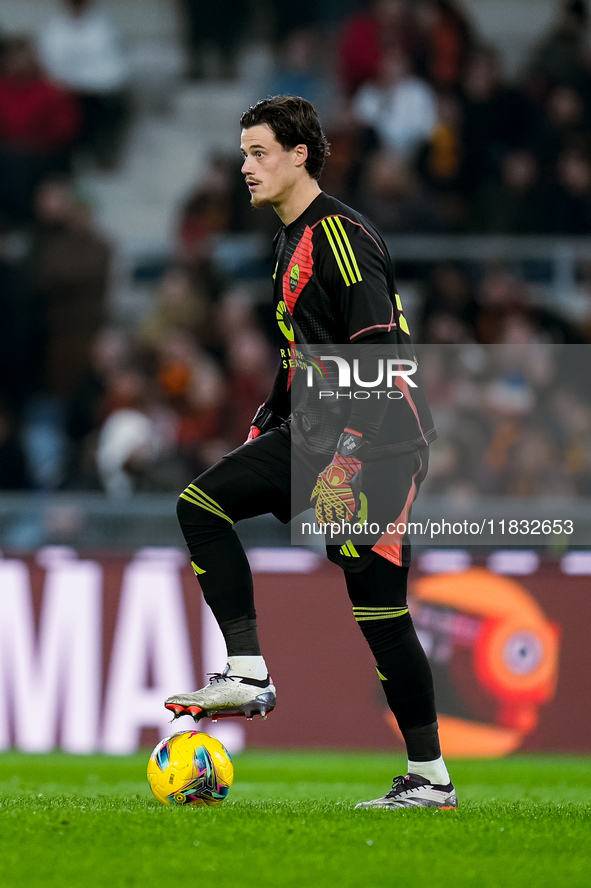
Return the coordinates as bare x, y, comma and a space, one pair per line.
190, 768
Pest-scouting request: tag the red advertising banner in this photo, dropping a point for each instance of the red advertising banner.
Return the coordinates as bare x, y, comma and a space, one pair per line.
91, 645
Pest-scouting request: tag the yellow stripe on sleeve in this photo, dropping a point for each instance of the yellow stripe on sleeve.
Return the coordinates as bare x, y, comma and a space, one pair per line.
339, 243
336, 252
401, 320
349, 248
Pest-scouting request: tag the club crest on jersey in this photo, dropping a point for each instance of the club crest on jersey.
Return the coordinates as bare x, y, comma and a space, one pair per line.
299, 270
294, 278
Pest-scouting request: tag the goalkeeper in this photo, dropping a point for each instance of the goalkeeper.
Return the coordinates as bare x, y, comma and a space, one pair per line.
333, 287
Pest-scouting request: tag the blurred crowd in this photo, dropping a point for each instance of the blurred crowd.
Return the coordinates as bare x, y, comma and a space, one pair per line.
511, 420
428, 136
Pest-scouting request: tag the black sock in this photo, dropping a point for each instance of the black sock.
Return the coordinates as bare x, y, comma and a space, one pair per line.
241, 637
227, 492
223, 571
378, 595
422, 744
404, 671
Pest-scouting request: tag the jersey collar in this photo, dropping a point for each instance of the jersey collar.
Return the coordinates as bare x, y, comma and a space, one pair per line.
289, 228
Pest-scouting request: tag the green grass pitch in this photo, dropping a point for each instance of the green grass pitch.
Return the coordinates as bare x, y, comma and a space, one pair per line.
289, 821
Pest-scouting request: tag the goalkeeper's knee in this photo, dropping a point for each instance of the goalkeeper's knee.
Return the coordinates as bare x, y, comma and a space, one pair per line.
200, 516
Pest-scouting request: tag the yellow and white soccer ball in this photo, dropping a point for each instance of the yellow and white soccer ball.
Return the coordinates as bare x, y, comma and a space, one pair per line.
190, 768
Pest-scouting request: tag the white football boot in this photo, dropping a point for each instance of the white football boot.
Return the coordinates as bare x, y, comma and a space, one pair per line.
226, 695
414, 791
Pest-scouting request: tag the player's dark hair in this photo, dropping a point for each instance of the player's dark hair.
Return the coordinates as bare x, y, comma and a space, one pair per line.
293, 121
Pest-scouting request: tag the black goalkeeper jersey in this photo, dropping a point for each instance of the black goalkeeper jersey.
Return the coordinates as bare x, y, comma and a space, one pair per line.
334, 285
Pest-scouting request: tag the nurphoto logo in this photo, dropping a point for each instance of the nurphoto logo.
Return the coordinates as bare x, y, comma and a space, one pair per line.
388, 372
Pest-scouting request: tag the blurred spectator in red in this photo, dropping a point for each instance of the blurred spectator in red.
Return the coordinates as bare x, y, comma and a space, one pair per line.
497, 118
570, 194
516, 203
83, 50
250, 362
384, 25
190, 382
445, 37
70, 267
400, 107
38, 124
561, 57
250, 377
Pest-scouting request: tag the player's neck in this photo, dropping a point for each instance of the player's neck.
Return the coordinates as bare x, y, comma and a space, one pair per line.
298, 200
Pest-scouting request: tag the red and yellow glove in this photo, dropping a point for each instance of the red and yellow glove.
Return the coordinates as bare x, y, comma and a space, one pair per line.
335, 500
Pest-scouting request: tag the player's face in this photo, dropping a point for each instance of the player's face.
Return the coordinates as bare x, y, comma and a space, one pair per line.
270, 171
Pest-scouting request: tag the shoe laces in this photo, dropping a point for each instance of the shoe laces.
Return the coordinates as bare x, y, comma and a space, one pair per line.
398, 782
404, 781
216, 677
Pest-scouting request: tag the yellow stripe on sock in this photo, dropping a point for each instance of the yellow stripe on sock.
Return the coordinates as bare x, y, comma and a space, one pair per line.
195, 501
384, 617
205, 496
363, 614
379, 610
197, 497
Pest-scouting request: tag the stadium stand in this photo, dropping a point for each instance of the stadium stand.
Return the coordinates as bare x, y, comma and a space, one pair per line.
487, 210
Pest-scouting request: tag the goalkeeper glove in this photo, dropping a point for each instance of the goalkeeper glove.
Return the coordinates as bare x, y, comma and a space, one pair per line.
335, 499
263, 420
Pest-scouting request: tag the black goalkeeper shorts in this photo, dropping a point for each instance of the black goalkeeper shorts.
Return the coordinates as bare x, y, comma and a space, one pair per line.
387, 490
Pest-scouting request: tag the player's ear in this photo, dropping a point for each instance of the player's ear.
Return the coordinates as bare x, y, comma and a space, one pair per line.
301, 154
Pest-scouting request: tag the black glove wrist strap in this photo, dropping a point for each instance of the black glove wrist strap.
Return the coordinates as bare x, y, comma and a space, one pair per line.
352, 444
265, 419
